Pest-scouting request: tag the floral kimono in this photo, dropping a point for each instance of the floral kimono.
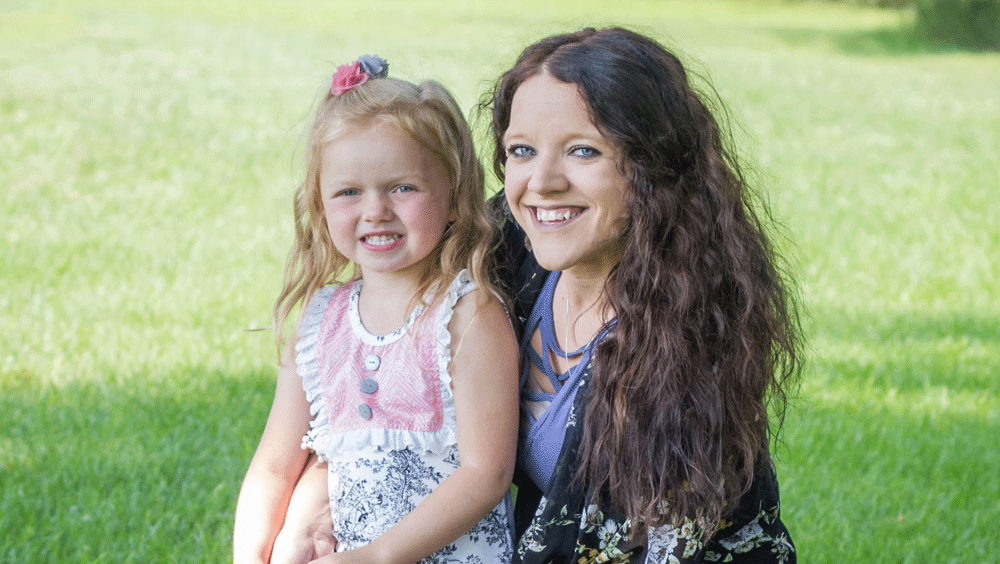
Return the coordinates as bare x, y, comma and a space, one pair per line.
564, 529
558, 526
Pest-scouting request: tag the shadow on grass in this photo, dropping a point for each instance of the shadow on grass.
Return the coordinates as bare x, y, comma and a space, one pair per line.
908, 326
903, 40
99, 473
895, 452
859, 480
928, 355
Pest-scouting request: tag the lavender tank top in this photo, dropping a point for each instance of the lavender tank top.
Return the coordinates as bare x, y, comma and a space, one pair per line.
542, 434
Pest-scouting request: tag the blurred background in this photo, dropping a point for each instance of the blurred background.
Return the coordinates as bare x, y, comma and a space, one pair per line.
149, 150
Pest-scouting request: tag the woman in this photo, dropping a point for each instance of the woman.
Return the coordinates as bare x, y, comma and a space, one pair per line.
664, 286
630, 242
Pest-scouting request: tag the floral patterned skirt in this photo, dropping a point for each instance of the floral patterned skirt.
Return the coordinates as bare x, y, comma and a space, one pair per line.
371, 491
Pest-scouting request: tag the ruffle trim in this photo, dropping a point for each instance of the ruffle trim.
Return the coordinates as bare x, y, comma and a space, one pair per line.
322, 441
461, 285
307, 367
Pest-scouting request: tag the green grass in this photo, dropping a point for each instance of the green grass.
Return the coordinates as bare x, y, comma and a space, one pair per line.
147, 156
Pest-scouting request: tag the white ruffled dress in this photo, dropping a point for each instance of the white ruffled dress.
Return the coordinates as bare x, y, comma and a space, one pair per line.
384, 420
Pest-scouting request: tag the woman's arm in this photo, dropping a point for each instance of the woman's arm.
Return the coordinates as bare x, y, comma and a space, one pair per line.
484, 383
308, 529
275, 468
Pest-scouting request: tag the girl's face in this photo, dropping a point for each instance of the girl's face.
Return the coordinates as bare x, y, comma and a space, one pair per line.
562, 179
385, 199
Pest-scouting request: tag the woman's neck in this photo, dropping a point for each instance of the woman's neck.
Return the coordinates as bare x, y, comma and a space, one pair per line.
579, 307
583, 288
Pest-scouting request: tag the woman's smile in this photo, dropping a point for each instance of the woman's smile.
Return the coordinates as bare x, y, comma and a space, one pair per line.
555, 217
563, 180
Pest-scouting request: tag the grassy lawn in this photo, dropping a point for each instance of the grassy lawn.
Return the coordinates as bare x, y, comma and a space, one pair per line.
148, 151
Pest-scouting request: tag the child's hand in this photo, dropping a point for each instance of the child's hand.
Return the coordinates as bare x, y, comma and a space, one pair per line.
288, 550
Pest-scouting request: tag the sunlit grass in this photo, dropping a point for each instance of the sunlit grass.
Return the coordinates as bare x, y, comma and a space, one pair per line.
148, 152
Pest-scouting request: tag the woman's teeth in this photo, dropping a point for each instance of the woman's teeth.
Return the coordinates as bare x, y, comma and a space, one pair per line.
381, 240
555, 215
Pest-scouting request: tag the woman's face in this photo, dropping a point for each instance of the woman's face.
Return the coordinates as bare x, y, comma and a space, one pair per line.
562, 179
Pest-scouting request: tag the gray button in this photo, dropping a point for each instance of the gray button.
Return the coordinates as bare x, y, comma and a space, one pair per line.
372, 362
365, 411
369, 386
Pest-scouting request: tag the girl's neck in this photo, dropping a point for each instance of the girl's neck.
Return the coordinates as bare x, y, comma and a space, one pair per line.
386, 301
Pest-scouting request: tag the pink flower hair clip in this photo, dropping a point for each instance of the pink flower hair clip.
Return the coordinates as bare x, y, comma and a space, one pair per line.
358, 73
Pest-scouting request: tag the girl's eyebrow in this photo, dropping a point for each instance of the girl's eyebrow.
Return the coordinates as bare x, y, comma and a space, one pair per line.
413, 175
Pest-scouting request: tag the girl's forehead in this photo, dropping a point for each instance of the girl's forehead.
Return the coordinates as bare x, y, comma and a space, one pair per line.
381, 148
341, 127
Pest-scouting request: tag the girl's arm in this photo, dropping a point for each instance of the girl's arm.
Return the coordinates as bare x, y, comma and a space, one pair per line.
308, 529
276, 466
484, 384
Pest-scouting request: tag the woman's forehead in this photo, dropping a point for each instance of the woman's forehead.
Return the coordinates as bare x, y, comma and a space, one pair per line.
545, 103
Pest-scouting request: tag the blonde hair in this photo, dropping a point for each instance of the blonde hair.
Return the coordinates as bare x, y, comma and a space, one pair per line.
428, 113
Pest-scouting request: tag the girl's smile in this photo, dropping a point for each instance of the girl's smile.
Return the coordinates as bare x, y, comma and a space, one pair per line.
385, 200
382, 241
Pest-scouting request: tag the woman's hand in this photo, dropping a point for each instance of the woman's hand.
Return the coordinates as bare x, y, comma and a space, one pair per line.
303, 545
363, 555
308, 529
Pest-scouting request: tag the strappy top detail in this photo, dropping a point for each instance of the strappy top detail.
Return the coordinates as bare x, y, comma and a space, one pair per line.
542, 432
546, 329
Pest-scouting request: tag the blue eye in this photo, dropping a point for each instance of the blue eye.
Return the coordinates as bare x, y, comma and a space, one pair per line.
585, 152
406, 188
347, 192
519, 151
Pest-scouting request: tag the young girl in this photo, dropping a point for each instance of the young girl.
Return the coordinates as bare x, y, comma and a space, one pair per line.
404, 377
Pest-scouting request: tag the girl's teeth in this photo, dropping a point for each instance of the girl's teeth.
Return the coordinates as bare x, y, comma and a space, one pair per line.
380, 240
553, 215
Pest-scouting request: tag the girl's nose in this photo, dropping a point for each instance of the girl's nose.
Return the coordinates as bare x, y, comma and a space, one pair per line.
377, 208
548, 174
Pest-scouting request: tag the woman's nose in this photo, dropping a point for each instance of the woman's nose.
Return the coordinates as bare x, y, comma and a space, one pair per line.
377, 207
548, 174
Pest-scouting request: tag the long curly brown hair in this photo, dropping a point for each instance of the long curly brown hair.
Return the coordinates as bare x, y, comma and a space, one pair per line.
692, 382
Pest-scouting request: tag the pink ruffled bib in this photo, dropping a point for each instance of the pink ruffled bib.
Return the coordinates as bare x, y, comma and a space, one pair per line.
385, 392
